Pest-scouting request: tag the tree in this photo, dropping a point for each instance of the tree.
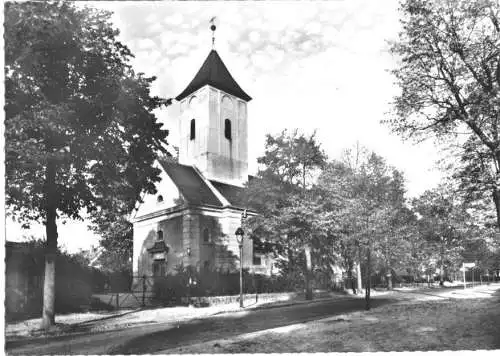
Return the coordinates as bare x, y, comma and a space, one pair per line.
337, 182
80, 129
370, 198
449, 74
443, 223
116, 241
285, 197
377, 191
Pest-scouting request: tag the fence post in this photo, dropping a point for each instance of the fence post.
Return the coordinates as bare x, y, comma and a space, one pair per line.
117, 300
143, 291
255, 288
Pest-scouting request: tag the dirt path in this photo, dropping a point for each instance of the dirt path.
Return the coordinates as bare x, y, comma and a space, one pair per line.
156, 337
419, 321
393, 308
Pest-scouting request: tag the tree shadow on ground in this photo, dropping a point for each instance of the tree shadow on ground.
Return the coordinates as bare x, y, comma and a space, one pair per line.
226, 326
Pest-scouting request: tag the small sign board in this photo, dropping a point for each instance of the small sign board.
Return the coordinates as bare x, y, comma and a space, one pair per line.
159, 256
469, 265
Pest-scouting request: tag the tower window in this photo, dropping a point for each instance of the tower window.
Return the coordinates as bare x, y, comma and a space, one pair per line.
206, 235
227, 129
159, 235
193, 130
159, 199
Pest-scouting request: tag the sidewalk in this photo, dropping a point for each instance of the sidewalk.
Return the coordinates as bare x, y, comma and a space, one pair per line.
88, 323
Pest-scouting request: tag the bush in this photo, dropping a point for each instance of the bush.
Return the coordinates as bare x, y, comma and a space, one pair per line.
73, 280
189, 282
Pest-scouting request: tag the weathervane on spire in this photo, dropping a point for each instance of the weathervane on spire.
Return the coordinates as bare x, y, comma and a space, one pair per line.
213, 28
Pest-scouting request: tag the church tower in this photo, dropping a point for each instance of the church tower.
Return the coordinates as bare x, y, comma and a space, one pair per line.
213, 124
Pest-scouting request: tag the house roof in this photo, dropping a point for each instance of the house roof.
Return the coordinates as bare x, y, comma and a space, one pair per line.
213, 72
196, 190
190, 184
232, 193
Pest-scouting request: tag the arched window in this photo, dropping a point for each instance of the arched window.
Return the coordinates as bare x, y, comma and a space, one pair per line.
227, 129
159, 235
206, 235
159, 268
193, 130
159, 199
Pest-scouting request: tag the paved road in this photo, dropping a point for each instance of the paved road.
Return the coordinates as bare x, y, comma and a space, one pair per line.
156, 337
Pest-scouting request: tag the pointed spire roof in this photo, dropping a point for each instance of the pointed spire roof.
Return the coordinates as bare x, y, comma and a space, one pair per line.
213, 72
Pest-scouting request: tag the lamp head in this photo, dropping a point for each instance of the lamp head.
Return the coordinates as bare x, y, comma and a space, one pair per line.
239, 234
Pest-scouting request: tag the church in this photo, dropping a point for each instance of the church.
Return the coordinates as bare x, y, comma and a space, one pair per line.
192, 219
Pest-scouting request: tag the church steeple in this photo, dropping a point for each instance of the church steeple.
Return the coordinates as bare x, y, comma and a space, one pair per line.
213, 123
213, 72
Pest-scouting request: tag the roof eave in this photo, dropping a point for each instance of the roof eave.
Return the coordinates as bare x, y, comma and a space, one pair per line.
244, 96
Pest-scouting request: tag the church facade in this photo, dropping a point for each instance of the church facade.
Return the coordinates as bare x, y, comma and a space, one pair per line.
192, 219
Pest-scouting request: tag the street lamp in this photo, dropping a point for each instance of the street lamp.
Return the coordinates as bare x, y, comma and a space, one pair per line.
239, 237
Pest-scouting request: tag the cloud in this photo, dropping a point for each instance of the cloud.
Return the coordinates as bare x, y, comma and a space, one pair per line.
254, 36
177, 48
313, 28
156, 28
152, 18
174, 20
146, 43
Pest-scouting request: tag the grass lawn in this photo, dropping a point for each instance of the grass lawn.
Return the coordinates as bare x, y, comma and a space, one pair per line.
417, 325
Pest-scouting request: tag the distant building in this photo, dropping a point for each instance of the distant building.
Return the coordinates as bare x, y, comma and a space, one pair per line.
192, 219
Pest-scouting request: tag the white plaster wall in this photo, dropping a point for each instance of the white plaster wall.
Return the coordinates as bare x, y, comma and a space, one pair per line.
145, 235
195, 106
166, 188
188, 233
215, 156
141, 231
230, 221
227, 159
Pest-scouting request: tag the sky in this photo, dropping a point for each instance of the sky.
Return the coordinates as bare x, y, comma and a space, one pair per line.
321, 66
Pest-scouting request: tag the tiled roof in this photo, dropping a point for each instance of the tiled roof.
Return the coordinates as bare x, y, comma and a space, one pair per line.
190, 184
213, 72
232, 193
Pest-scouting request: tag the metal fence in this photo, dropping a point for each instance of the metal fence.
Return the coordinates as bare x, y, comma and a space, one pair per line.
170, 290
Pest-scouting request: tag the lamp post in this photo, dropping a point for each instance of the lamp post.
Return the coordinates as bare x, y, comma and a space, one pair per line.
239, 237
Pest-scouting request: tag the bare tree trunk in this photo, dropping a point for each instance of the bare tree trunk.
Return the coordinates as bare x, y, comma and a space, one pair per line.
49, 283
350, 277
441, 271
389, 278
308, 274
368, 278
496, 199
388, 272
358, 271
